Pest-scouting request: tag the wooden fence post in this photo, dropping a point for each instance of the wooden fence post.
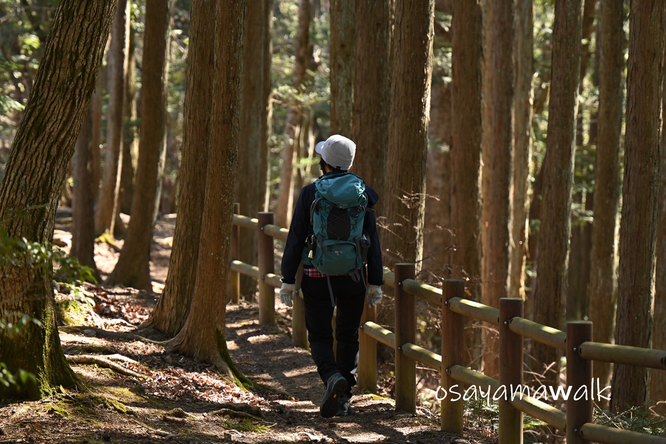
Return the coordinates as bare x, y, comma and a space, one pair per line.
299, 334
453, 345
579, 375
511, 372
234, 277
266, 265
367, 353
405, 332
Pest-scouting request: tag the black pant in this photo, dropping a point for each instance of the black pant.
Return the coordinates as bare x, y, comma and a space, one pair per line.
349, 296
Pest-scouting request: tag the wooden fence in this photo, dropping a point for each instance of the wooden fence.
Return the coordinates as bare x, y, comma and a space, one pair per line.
576, 342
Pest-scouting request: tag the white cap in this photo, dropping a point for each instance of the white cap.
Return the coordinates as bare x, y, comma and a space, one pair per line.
337, 151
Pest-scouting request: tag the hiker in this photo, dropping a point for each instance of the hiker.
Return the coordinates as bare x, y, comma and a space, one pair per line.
333, 231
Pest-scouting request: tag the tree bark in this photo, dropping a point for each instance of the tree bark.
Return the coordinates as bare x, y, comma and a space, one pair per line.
522, 149
581, 237
342, 45
602, 289
129, 142
173, 307
33, 180
133, 266
249, 150
290, 148
658, 377
202, 335
638, 227
371, 92
107, 204
83, 215
496, 251
437, 235
558, 165
267, 106
411, 74
96, 105
467, 49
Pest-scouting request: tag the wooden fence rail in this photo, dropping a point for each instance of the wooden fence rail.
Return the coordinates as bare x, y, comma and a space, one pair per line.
576, 342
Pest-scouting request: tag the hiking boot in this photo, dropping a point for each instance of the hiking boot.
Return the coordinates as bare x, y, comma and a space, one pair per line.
344, 406
336, 386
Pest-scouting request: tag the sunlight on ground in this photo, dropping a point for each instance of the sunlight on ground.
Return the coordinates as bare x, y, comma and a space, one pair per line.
260, 338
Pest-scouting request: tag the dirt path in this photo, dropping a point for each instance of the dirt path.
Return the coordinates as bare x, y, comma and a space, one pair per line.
179, 400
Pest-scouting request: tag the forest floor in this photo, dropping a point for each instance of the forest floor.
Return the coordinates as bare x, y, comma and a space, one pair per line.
170, 397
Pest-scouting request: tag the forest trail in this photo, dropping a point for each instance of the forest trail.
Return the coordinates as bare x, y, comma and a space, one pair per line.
176, 399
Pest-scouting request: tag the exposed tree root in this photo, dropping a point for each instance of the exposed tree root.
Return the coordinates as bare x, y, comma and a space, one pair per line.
239, 411
241, 379
101, 333
102, 362
242, 407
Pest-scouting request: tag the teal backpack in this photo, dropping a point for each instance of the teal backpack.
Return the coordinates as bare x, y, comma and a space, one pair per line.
337, 245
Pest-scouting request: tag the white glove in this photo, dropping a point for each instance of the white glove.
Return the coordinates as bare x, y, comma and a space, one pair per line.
287, 293
374, 295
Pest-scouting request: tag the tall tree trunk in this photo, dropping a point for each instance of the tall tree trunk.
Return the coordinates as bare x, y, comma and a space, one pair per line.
638, 227
658, 377
33, 180
496, 251
107, 205
133, 266
267, 106
83, 215
490, 333
96, 105
343, 14
467, 48
580, 243
534, 217
437, 234
555, 231
371, 92
522, 149
203, 334
249, 149
437, 239
173, 307
290, 148
411, 74
129, 143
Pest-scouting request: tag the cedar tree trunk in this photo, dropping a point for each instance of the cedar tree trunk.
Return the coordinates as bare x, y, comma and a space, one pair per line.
500, 153
133, 267
558, 165
602, 289
203, 335
343, 14
33, 180
371, 91
640, 193
107, 205
173, 307
467, 49
249, 149
411, 73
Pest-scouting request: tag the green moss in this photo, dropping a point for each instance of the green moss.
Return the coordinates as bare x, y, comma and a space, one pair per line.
125, 394
55, 409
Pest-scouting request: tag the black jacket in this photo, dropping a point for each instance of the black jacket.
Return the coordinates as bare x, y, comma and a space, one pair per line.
300, 228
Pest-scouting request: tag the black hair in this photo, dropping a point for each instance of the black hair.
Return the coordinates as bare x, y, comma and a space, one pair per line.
322, 163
